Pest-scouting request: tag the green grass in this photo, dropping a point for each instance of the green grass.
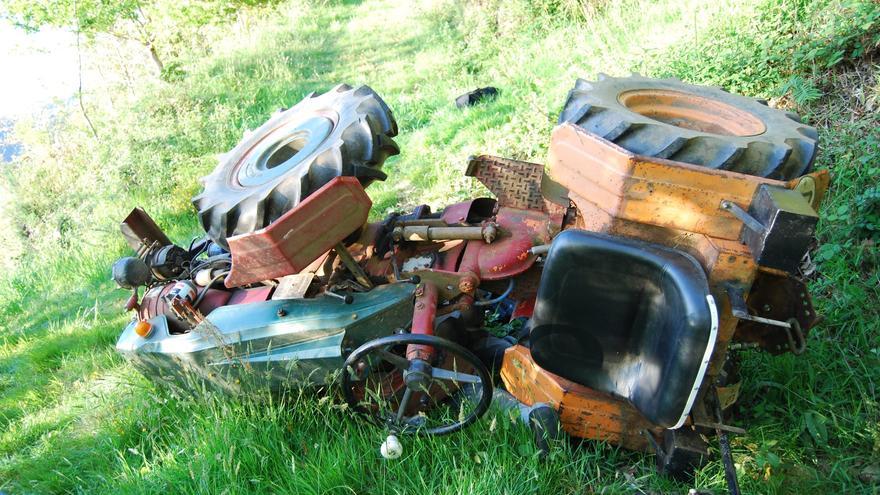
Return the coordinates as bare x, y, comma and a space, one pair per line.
75, 418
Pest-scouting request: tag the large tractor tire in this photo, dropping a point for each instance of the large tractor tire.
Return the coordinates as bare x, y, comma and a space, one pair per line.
700, 125
343, 132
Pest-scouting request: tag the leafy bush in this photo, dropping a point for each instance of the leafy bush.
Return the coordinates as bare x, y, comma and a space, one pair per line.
867, 212
800, 39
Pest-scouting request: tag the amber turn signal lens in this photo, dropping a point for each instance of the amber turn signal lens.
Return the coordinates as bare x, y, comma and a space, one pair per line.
143, 328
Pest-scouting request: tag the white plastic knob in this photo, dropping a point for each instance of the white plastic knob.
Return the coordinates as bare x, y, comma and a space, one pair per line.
391, 448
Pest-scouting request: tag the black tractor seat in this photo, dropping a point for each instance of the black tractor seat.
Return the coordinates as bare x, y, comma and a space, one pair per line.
626, 317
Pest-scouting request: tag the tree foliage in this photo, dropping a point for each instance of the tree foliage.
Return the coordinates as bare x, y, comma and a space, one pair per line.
87, 15
158, 25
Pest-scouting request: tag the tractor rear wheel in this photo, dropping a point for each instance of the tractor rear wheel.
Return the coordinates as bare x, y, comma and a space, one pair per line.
343, 132
700, 125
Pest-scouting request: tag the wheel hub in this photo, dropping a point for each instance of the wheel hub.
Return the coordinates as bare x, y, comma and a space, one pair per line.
418, 376
283, 149
692, 112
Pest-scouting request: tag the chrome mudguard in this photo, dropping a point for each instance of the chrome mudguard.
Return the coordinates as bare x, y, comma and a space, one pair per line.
275, 344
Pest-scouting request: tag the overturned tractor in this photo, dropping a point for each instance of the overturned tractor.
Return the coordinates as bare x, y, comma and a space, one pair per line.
664, 232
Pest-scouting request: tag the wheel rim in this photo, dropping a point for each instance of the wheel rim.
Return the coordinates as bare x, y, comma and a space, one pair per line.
282, 150
692, 112
292, 155
403, 425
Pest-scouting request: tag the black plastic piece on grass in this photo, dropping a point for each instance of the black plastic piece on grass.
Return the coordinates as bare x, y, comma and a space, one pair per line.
476, 96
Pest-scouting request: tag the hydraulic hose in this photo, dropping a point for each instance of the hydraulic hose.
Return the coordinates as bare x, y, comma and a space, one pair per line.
503, 296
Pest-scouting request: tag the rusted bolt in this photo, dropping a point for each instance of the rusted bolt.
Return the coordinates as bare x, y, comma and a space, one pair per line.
490, 232
420, 291
466, 285
420, 305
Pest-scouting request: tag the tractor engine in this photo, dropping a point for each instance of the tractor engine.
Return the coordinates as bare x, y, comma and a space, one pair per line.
183, 285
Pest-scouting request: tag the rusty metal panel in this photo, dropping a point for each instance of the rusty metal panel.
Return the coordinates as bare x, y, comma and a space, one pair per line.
515, 183
521, 185
722, 259
248, 296
776, 297
301, 235
140, 230
508, 255
469, 212
583, 412
654, 191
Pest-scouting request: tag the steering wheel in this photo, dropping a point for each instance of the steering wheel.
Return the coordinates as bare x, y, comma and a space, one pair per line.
413, 396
